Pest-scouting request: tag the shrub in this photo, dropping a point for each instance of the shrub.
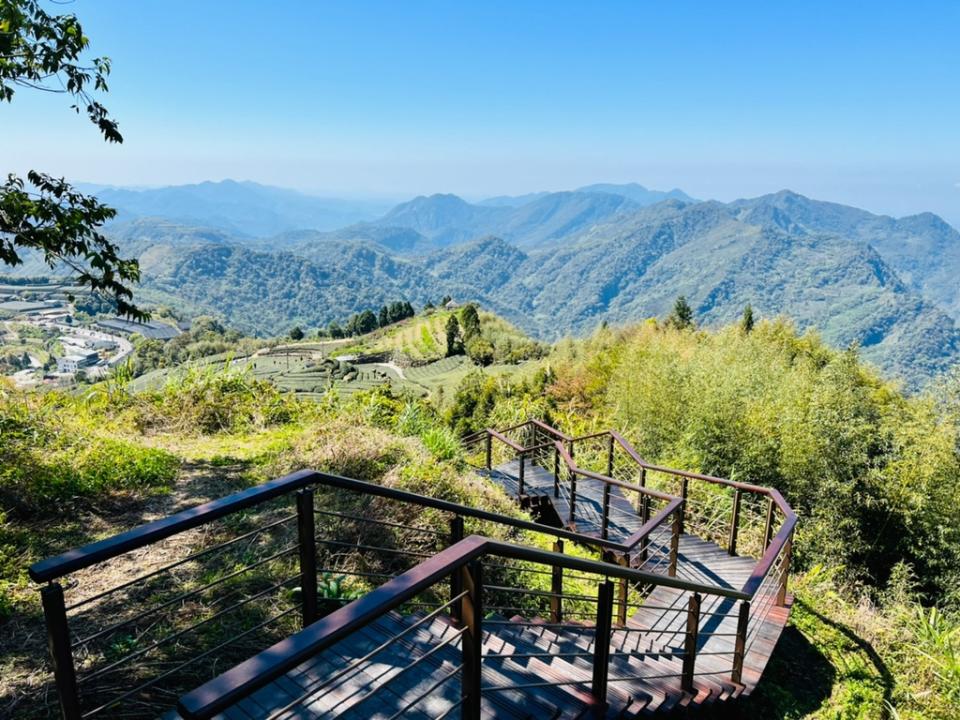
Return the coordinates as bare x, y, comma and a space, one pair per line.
442, 443
212, 400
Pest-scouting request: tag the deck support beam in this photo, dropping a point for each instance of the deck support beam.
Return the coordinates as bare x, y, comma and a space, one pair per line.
690, 642
675, 534
739, 650
734, 522
556, 587
58, 641
456, 578
785, 573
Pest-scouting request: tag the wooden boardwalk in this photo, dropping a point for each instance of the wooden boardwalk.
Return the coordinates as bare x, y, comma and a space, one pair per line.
418, 675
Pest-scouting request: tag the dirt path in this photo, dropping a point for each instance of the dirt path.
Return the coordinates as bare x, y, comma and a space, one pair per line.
393, 366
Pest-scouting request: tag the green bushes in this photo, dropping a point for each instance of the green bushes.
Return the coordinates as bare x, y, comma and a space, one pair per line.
212, 400
52, 453
874, 475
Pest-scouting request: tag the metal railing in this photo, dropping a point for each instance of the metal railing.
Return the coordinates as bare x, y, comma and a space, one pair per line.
598, 476
229, 577
464, 566
260, 563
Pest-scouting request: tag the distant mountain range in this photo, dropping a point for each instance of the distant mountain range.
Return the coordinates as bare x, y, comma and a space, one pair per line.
632, 191
242, 208
558, 263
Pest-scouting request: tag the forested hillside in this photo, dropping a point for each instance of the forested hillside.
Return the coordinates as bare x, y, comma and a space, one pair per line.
561, 263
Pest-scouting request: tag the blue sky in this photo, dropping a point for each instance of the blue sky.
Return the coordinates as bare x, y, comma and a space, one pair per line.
854, 102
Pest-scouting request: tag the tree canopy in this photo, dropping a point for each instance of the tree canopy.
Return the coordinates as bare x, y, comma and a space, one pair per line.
42, 213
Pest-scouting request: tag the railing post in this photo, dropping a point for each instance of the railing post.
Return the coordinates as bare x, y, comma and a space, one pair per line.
768, 528
785, 572
601, 647
456, 580
690, 644
556, 587
472, 641
556, 471
523, 458
734, 523
622, 595
58, 641
306, 531
741, 642
675, 533
684, 489
489, 451
605, 519
572, 520
610, 457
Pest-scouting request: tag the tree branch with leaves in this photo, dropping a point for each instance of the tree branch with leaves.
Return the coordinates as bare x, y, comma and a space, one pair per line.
42, 213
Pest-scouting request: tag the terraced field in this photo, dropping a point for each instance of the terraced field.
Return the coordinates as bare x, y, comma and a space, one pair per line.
448, 372
156, 379
304, 368
421, 339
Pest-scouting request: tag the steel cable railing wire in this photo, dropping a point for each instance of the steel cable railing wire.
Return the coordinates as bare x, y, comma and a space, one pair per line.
219, 608
314, 690
753, 514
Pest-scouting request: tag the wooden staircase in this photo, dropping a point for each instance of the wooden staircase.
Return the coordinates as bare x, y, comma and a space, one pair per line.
681, 609
644, 673
535, 668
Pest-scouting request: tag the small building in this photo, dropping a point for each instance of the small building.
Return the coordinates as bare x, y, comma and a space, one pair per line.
452, 305
152, 329
26, 307
55, 314
69, 364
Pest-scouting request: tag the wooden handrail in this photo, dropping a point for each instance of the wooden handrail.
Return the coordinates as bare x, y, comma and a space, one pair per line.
552, 430
249, 676
571, 463
505, 440
254, 673
654, 522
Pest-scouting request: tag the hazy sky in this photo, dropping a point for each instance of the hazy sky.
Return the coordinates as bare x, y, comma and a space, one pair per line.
858, 103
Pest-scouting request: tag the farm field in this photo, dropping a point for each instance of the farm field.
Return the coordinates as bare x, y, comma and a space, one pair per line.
420, 339
304, 370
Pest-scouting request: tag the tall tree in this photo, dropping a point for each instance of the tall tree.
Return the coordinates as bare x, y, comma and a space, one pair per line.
366, 322
384, 316
454, 341
470, 321
746, 322
42, 213
296, 333
682, 315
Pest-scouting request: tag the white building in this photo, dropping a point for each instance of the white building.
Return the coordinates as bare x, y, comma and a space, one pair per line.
69, 364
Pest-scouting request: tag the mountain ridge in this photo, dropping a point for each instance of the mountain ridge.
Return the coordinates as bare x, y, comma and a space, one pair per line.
563, 262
